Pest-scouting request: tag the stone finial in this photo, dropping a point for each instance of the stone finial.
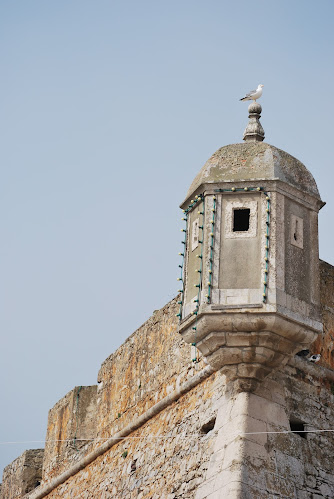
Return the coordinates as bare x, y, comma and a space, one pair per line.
254, 131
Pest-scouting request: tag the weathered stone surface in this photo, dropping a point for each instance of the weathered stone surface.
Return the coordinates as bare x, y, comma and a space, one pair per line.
255, 161
167, 457
212, 342
254, 131
324, 344
258, 265
71, 427
148, 366
175, 454
22, 475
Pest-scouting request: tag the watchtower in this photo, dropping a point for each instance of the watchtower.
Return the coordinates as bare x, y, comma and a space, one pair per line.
250, 295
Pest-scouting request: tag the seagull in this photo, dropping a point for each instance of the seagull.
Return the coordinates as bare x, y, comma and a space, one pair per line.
314, 358
254, 94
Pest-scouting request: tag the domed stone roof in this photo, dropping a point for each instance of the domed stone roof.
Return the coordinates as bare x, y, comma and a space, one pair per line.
255, 161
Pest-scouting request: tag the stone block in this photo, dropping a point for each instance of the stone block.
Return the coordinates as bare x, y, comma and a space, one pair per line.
239, 339
216, 459
289, 466
225, 356
234, 453
275, 342
271, 390
211, 342
231, 491
205, 489
267, 410
224, 412
326, 490
280, 486
227, 434
303, 494
226, 476
261, 355
256, 371
254, 430
245, 384
256, 452
230, 371
310, 481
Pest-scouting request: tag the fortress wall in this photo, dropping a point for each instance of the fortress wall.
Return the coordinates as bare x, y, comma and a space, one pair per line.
165, 458
188, 462
305, 465
324, 344
22, 475
147, 367
255, 453
151, 363
71, 422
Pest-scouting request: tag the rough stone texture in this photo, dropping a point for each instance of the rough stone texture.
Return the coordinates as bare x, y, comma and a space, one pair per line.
166, 458
254, 161
22, 475
324, 344
70, 423
281, 463
148, 366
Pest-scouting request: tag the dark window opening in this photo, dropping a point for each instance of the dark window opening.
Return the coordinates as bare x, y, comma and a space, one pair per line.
208, 426
241, 219
298, 428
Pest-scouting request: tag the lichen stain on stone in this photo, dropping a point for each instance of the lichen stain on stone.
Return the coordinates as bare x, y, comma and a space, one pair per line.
254, 161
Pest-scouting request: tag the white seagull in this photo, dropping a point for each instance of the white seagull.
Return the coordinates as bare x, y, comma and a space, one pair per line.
254, 94
314, 358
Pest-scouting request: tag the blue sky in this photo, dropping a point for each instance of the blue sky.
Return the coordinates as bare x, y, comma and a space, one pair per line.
108, 111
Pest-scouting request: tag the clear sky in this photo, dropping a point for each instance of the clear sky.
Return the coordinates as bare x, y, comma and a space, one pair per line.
108, 111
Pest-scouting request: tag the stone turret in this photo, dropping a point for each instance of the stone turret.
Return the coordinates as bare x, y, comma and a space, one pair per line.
250, 296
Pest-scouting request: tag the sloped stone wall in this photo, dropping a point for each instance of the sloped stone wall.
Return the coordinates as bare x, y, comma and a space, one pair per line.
147, 367
165, 458
151, 363
22, 475
71, 422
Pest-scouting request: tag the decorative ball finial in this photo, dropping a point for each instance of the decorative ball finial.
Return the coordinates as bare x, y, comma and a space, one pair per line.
254, 131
